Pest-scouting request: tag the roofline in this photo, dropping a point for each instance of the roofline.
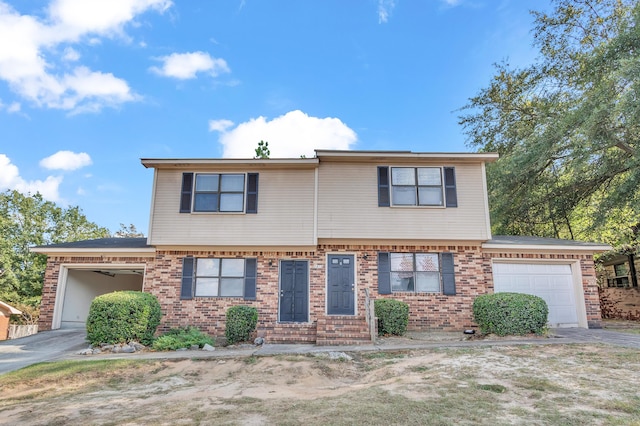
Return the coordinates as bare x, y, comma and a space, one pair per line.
383, 155
10, 309
547, 247
181, 163
143, 251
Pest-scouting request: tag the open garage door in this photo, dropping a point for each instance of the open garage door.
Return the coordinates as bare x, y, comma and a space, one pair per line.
81, 286
552, 282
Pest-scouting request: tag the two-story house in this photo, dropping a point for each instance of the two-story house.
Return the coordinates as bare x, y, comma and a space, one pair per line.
311, 241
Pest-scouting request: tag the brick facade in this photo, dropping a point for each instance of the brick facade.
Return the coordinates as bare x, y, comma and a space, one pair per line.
52, 274
473, 277
620, 303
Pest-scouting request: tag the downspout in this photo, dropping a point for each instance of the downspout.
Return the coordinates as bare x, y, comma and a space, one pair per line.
632, 270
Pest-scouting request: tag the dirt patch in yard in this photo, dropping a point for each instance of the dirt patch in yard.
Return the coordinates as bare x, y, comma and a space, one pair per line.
559, 384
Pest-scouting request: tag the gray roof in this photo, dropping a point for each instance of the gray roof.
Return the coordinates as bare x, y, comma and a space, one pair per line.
103, 243
516, 240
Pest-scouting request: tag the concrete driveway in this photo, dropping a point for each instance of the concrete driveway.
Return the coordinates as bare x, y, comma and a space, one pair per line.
40, 347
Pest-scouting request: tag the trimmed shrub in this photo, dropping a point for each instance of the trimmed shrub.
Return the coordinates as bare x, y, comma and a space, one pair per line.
123, 316
393, 316
510, 313
178, 338
241, 322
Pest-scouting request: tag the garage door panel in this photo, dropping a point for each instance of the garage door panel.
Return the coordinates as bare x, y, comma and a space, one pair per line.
552, 282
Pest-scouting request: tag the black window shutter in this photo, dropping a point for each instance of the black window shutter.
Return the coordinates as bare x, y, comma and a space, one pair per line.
383, 187
250, 279
384, 273
252, 193
185, 194
186, 290
450, 186
448, 275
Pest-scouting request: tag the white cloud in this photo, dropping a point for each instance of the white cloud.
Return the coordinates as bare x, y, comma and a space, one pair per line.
75, 18
289, 136
66, 160
70, 55
385, 7
14, 107
30, 63
10, 179
184, 66
452, 2
219, 125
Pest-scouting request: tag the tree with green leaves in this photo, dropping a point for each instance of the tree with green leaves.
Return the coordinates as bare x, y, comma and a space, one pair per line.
262, 151
128, 232
567, 127
26, 221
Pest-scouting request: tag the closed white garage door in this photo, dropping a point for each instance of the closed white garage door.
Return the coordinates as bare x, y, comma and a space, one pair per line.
551, 282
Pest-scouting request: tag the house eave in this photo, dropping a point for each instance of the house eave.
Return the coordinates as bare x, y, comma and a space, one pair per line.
229, 163
545, 248
401, 156
93, 252
5, 307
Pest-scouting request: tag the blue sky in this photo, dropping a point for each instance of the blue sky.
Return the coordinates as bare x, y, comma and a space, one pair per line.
87, 88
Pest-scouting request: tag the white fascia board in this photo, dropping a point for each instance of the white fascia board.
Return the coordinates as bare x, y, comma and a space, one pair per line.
546, 247
142, 252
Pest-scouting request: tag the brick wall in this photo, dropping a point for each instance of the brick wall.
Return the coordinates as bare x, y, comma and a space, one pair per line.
52, 274
621, 303
427, 311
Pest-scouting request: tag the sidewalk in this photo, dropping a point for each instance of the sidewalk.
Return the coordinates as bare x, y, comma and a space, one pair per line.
386, 344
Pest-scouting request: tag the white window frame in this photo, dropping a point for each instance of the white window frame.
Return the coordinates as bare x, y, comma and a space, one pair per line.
416, 187
219, 193
414, 273
220, 277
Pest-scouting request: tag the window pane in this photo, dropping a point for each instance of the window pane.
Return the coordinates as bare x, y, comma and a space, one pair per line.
620, 269
208, 267
232, 267
428, 282
401, 281
231, 202
206, 287
403, 176
401, 262
207, 182
205, 203
231, 287
427, 262
429, 176
430, 196
404, 195
232, 183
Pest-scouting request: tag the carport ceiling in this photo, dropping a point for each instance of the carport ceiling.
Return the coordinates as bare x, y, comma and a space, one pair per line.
114, 272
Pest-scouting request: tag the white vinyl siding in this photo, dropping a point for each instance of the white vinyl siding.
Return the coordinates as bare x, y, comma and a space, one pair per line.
285, 214
348, 206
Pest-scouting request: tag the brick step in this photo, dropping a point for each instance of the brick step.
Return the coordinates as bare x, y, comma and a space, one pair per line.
290, 333
342, 330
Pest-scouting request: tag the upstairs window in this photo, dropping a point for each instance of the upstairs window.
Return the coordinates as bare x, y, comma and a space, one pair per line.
416, 186
219, 193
